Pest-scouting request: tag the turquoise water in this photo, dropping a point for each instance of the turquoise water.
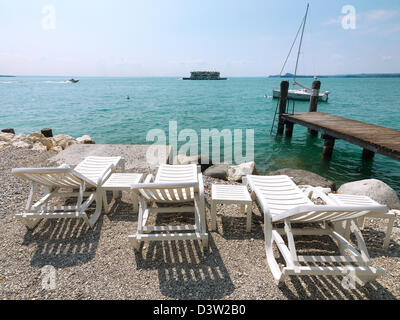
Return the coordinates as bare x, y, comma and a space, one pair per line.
98, 107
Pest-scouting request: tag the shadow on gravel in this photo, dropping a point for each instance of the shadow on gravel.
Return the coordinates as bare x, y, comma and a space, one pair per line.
326, 287
234, 228
331, 288
63, 243
374, 241
185, 271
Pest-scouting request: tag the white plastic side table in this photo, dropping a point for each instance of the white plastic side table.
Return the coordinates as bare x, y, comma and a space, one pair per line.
121, 182
230, 194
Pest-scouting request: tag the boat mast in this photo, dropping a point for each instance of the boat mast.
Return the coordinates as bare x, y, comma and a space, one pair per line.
301, 41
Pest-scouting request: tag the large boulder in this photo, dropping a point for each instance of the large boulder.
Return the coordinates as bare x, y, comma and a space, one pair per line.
41, 139
219, 171
21, 144
86, 139
39, 147
63, 140
375, 189
20, 137
235, 173
303, 177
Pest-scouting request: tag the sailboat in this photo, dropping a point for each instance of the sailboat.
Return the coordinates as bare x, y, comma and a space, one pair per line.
304, 93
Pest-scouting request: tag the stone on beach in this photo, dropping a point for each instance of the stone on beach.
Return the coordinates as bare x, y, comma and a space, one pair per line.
39, 147
235, 173
303, 177
4, 144
40, 138
219, 171
6, 137
63, 140
21, 144
375, 189
86, 139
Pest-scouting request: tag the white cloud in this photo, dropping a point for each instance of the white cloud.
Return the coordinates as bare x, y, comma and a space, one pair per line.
387, 58
379, 15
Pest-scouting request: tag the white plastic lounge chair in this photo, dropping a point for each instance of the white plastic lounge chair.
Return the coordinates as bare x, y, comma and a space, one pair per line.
85, 181
357, 200
173, 184
281, 201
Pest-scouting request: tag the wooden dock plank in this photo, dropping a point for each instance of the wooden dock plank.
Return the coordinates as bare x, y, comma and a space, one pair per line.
375, 138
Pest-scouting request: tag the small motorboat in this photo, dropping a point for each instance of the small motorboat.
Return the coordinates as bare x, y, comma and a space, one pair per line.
73, 80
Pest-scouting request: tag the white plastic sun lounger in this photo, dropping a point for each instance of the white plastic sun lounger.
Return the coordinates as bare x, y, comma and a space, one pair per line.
357, 200
281, 201
85, 181
173, 184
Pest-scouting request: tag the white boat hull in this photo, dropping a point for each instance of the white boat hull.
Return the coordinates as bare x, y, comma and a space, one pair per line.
302, 95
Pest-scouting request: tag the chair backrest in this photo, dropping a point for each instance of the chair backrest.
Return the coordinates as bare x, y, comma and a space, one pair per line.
61, 177
167, 192
277, 194
173, 183
97, 169
176, 173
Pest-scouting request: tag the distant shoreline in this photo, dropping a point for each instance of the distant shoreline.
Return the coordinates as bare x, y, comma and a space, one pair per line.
6, 76
361, 75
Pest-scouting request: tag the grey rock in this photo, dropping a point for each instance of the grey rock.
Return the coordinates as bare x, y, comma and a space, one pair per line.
235, 173
219, 171
375, 189
303, 177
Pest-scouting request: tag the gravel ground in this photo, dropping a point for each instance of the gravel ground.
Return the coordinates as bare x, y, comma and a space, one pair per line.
100, 264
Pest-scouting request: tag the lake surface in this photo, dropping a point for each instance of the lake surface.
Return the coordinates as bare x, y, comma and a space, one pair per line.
98, 107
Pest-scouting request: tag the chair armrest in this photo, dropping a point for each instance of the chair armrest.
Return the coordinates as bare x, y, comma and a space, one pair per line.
101, 178
149, 178
201, 184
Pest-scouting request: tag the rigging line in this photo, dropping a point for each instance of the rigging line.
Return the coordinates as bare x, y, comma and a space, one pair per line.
301, 40
291, 48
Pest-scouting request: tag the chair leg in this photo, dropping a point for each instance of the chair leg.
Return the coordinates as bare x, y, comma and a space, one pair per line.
107, 206
213, 216
273, 265
249, 214
389, 229
99, 206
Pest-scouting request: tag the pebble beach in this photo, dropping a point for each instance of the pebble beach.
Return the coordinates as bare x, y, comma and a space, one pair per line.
99, 263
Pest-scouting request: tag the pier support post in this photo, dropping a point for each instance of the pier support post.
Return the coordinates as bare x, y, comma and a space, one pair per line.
289, 129
328, 147
282, 105
316, 86
47, 132
367, 154
8, 130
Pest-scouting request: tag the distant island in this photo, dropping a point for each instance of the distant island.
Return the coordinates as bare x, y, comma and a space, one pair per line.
6, 76
361, 75
204, 75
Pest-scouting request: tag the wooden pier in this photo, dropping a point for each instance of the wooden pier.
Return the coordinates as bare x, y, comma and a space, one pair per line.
372, 138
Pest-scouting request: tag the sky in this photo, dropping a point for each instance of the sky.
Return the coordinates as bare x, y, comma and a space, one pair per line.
173, 37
